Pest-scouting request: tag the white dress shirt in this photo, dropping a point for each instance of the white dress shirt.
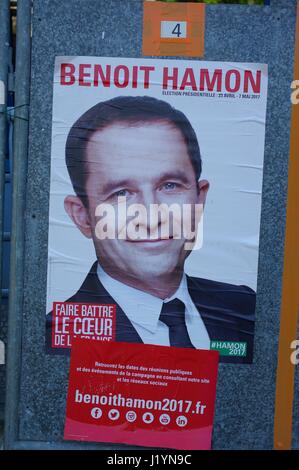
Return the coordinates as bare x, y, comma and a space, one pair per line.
143, 310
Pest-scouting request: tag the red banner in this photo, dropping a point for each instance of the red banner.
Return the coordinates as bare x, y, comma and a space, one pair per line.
141, 394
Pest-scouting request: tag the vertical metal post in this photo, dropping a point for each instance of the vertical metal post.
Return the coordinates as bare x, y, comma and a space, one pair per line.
22, 83
4, 54
285, 373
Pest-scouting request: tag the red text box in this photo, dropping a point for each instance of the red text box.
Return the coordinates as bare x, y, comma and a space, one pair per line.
141, 394
89, 321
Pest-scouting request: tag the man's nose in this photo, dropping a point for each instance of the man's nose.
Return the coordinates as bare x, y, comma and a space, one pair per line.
148, 197
151, 224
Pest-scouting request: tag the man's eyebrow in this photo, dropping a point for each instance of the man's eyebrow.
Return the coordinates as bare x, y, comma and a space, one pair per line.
175, 175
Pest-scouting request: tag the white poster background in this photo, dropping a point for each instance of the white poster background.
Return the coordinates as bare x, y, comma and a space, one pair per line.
231, 135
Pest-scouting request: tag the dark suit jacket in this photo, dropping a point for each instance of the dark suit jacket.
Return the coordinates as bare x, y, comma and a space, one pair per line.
226, 310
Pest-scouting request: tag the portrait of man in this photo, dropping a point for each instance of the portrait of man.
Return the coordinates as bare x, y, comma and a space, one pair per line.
144, 151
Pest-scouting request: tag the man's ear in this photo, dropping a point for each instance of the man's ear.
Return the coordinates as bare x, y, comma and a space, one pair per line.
203, 188
79, 214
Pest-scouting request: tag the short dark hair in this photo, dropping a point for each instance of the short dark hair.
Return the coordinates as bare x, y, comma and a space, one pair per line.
122, 109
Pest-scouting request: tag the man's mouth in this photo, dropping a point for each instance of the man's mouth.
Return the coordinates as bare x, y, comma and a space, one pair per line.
150, 240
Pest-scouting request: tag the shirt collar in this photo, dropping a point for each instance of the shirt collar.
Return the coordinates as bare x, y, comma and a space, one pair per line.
140, 307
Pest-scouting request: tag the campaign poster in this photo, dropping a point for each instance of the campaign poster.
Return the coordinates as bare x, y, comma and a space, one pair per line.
138, 394
155, 201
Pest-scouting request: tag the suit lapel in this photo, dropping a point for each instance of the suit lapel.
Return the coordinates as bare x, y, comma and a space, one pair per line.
93, 289
218, 323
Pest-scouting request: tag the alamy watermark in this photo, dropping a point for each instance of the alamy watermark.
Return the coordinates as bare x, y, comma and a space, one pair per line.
294, 358
136, 222
2, 352
295, 93
2, 92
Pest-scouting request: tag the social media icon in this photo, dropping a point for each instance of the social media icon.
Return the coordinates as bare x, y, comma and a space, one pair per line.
181, 421
96, 413
113, 414
164, 419
147, 418
131, 416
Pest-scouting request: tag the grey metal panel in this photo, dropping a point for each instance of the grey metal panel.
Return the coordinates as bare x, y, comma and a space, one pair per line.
245, 393
14, 346
4, 68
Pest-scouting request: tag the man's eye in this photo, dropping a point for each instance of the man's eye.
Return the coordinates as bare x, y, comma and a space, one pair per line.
169, 185
122, 192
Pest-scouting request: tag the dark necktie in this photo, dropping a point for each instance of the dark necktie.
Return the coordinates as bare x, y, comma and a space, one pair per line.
173, 315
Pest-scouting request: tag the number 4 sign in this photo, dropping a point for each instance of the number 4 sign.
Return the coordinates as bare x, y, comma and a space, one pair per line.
173, 29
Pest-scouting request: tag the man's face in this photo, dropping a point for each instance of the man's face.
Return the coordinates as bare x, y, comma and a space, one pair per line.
147, 163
